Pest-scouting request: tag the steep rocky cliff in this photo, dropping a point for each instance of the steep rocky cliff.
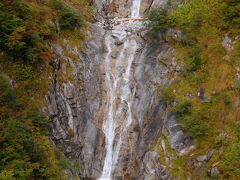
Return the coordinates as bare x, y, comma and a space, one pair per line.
79, 105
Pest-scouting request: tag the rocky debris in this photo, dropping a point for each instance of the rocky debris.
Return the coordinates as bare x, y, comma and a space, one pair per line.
143, 35
199, 163
119, 34
227, 43
52, 105
153, 169
210, 154
175, 35
177, 139
213, 172
58, 50
206, 157
202, 158
69, 90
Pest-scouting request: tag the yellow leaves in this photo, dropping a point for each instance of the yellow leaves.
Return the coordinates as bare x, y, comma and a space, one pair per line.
15, 37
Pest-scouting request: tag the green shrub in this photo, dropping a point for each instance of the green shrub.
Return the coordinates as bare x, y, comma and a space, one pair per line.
21, 9
193, 60
231, 12
15, 39
34, 39
195, 122
196, 125
11, 101
158, 21
8, 96
66, 163
56, 4
166, 94
68, 19
23, 73
8, 24
182, 109
39, 120
31, 54
24, 149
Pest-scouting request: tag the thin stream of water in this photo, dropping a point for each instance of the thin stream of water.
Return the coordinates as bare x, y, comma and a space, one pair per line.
119, 97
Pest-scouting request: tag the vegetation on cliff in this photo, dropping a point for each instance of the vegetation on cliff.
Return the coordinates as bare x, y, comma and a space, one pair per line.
205, 96
27, 30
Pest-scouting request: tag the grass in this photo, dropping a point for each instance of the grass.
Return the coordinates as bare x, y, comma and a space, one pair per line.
205, 65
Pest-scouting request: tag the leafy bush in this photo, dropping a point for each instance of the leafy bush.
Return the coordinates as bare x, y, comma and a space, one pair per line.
24, 151
66, 163
158, 21
231, 12
25, 31
183, 108
21, 9
17, 36
195, 15
57, 4
23, 73
39, 120
166, 94
8, 97
31, 54
8, 24
196, 125
11, 101
68, 19
193, 60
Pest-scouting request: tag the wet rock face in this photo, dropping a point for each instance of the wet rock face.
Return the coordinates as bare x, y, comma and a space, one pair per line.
78, 106
73, 105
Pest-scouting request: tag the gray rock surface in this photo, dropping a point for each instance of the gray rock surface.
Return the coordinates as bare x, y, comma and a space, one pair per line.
213, 172
77, 106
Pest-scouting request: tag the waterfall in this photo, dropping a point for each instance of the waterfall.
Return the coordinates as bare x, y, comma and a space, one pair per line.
120, 92
135, 9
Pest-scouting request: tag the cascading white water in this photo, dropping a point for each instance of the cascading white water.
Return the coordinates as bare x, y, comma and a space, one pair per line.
135, 9
119, 97
117, 120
